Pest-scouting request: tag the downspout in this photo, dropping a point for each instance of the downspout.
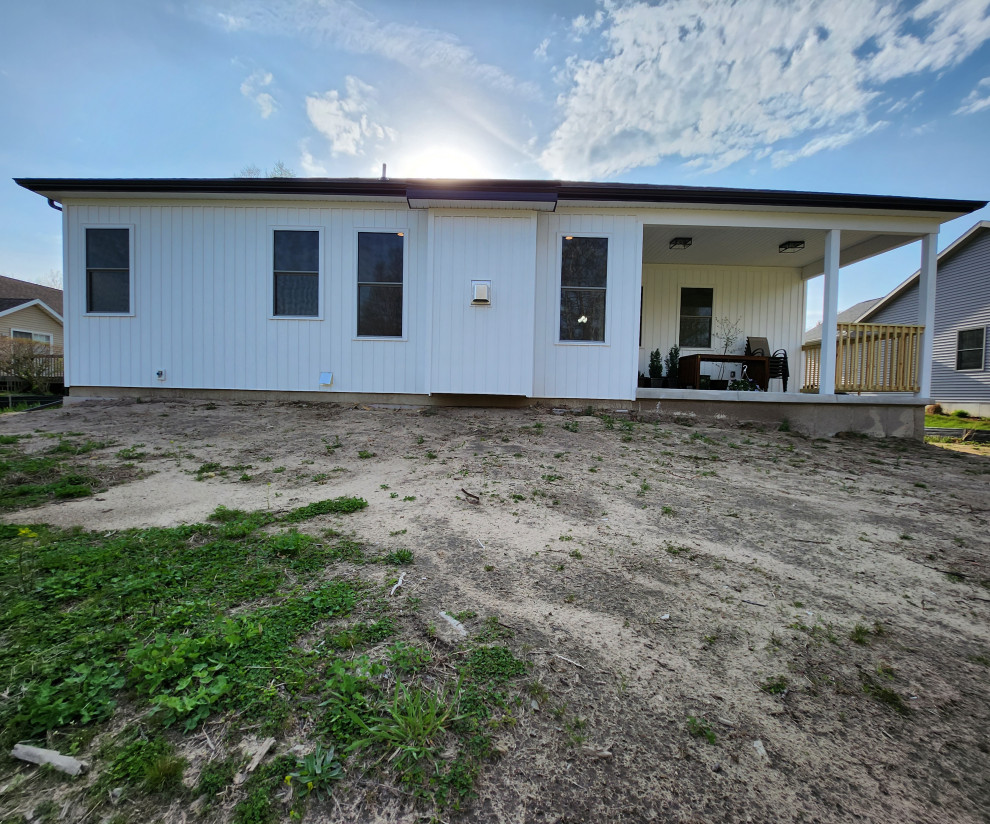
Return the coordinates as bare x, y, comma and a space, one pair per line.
54, 205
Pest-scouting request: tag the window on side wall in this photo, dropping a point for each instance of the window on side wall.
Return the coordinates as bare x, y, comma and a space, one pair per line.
37, 337
696, 318
108, 271
379, 284
583, 284
970, 345
296, 272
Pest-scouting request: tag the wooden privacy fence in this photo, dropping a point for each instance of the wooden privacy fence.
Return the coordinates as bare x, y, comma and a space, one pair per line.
869, 357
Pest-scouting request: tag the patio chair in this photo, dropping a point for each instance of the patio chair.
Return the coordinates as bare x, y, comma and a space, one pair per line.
777, 361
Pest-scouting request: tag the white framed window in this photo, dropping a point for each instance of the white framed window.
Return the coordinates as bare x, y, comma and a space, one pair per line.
296, 257
37, 337
695, 326
970, 347
583, 288
381, 262
109, 270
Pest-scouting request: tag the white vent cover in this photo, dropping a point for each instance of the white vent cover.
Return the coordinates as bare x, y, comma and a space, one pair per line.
481, 291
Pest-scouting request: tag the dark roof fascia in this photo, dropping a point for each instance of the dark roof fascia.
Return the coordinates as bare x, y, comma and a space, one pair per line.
633, 193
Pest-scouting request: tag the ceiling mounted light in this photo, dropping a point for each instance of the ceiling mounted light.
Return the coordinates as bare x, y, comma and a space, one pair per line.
789, 247
680, 243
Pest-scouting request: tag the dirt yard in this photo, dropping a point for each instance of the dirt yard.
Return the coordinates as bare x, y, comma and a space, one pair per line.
724, 624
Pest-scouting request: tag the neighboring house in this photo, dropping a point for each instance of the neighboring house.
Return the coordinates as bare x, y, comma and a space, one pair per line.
31, 312
850, 315
426, 291
961, 347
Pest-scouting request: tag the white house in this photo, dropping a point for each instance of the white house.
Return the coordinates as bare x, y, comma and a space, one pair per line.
493, 291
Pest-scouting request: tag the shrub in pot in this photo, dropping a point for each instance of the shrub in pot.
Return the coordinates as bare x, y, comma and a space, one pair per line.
656, 369
673, 366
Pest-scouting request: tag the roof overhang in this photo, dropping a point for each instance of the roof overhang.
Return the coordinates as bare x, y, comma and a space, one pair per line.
519, 194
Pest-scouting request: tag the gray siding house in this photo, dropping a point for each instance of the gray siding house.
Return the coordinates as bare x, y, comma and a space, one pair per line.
960, 356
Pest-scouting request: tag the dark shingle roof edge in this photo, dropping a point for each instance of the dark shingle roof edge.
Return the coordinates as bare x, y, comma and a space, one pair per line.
564, 190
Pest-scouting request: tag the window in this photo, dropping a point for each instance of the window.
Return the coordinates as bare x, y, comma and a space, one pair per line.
108, 271
379, 283
296, 268
696, 318
970, 344
583, 279
38, 337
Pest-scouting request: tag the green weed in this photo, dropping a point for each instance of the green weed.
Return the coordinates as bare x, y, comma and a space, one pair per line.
699, 728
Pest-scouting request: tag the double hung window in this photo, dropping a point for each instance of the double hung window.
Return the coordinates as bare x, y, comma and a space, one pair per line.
379, 284
108, 271
970, 346
583, 286
296, 271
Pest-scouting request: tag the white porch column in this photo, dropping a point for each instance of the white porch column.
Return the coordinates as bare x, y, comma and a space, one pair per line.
826, 372
926, 308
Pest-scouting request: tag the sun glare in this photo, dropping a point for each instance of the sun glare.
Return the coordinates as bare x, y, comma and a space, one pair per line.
442, 162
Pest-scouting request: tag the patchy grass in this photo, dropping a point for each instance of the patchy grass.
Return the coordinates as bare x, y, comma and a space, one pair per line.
233, 619
59, 472
956, 422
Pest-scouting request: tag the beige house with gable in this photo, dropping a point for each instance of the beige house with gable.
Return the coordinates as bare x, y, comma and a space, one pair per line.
31, 312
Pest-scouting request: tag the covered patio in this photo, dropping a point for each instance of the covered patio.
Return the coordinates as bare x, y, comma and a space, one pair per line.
713, 281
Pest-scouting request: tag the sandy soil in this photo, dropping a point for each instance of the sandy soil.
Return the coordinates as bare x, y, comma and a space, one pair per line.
652, 571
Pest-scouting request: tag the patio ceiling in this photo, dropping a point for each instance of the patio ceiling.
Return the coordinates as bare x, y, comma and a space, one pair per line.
732, 246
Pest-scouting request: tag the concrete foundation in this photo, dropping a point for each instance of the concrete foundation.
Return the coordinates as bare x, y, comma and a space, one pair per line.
900, 416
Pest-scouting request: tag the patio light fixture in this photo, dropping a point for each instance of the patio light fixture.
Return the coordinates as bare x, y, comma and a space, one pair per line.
790, 246
680, 242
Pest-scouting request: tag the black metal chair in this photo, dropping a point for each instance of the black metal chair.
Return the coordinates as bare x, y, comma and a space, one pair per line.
776, 363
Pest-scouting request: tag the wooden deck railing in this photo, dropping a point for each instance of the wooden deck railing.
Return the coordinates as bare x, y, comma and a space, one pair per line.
869, 357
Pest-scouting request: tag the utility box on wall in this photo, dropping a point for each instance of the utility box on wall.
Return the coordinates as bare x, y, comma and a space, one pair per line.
481, 293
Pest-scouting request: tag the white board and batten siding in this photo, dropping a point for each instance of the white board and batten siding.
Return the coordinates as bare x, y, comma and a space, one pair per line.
766, 302
588, 370
201, 302
485, 350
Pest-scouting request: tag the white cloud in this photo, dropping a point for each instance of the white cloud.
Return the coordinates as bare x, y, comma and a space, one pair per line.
977, 100
582, 24
717, 81
311, 167
540, 52
346, 25
345, 120
252, 87
231, 22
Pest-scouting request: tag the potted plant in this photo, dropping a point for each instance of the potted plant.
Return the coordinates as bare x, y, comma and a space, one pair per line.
644, 381
673, 366
656, 369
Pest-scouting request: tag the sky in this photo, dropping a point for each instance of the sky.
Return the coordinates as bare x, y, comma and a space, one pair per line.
861, 96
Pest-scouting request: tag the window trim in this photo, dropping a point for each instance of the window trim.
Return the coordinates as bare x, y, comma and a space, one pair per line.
982, 349
131, 244
561, 235
50, 341
270, 269
711, 331
382, 230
